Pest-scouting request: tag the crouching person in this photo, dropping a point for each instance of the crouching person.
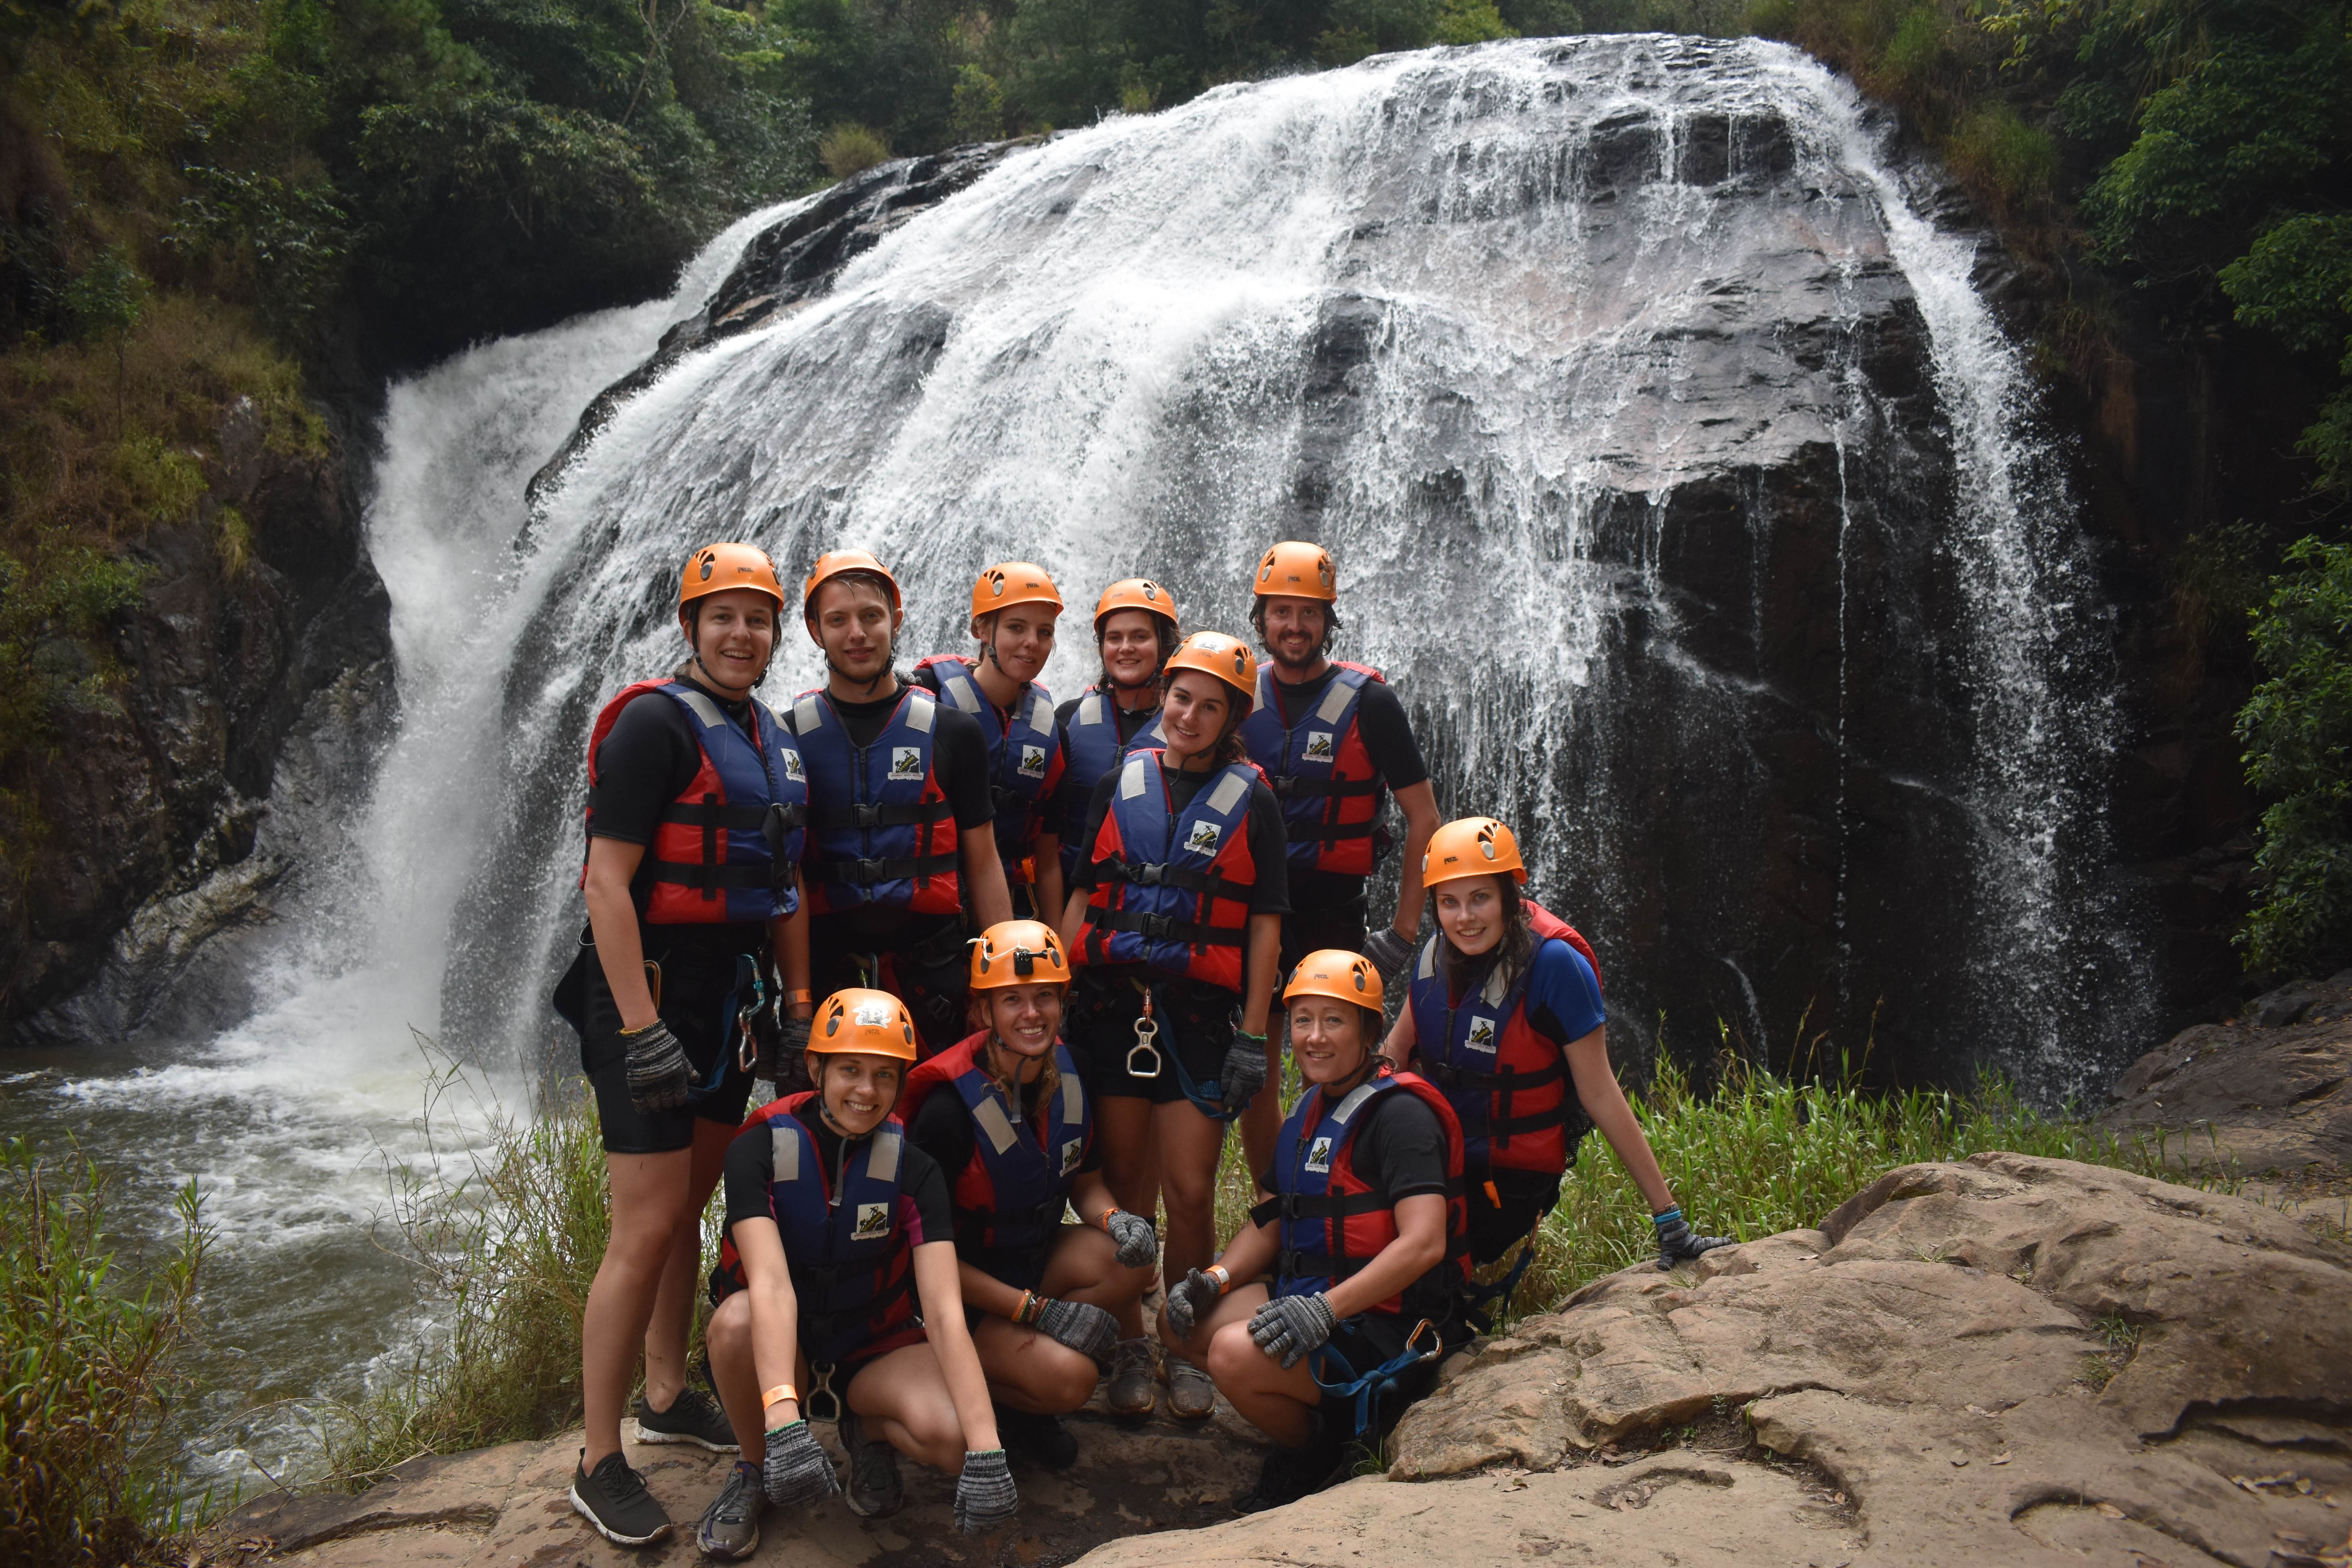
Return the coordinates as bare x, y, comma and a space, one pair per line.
838, 1277
1364, 1240
1005, 1114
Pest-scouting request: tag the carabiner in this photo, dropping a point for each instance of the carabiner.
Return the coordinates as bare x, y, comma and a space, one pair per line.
1147, 1035
822, 1389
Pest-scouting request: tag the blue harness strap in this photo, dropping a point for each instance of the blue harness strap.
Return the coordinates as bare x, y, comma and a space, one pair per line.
1208, 1098
1475, 1296
1368, 1388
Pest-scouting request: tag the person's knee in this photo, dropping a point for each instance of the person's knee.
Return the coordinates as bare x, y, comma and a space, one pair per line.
1234, 1357
728, 1333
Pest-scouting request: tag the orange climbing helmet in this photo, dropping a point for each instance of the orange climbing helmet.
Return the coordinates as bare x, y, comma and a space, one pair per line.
1018, 952
1339, 973
1010, 582
1215, 653
1135, 594
1299, 571
833, 562
873, 1022
1472, 847
715, 568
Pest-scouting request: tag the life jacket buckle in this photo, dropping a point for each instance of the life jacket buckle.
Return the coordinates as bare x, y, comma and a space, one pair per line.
868, 871
1146, 1048
822, 1390
865, 817
1282, 785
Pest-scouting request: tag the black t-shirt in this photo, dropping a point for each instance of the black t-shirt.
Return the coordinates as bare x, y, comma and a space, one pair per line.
645, 761
1268, 843
943, 1130
1400, 1149
924, 1213
1395, 756
958, 752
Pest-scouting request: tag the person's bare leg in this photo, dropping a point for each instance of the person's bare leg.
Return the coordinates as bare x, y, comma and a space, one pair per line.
1190, 1145
1281, 1403
649, 1198
737, 1375
1029, 1371
1123, 1130
1083, 1267
668, 1329
904, 1399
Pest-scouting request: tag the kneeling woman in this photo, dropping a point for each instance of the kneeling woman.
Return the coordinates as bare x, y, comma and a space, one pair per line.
1363, 1237
838, 1265
1006, 1115
1506, 1013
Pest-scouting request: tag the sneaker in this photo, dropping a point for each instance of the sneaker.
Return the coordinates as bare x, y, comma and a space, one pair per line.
1041, 1440
692, 1417
1192, 1397
1287, 1475
614, 1499
731, 1525
874, 1489
1130, 1392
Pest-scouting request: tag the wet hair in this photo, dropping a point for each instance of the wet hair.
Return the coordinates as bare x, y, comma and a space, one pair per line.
856, 578
1331, 623
1516, 948
1162, 628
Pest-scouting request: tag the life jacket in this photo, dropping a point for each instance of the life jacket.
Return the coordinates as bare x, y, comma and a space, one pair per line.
712, 862
1019, 758
1093, 749
1331, 1222
853, 1269
1320, 772
1507, 1083
881, 830
1010, 1195
1172, 888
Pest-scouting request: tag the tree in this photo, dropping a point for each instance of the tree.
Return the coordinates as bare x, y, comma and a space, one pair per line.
2297, 728
105, 302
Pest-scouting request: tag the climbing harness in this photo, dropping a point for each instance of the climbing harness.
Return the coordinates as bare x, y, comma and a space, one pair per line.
1146, 1036
1475, 1296
822, 1389
1208, 1098
1369, 1387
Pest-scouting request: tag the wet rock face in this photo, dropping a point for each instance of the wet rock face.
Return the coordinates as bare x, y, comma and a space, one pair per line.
149, 801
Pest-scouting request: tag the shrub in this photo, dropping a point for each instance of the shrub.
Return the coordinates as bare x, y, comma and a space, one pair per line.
1471, 22
1998, 153
2297, 727
85, 1368
851, 149
977, 109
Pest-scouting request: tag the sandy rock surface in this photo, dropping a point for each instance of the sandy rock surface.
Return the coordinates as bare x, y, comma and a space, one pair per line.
2271, 1090
2010, 1360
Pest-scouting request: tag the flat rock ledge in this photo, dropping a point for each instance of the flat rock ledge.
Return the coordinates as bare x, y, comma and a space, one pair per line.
2007, 1361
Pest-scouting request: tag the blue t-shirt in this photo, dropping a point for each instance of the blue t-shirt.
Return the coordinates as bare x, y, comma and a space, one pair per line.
1563, 999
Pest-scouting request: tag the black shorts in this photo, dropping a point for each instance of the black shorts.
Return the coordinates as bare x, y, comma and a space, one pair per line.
925, 964
1098, 1025
1370, 1339
698, 998
1505, 1206
1317, 926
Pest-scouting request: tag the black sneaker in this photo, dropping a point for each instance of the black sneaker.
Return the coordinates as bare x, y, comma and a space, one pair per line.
731, 1525
874, 1488
692, 1417
1287, 1475
614, 1499
1043, 1440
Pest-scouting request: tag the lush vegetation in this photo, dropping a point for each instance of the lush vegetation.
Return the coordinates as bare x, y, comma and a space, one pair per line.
2298, 731
86, 1366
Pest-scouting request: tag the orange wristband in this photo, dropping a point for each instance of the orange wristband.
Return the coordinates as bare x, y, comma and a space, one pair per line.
1217, 1272
778, 1394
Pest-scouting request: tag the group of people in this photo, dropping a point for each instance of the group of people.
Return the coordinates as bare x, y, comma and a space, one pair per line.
1026, 963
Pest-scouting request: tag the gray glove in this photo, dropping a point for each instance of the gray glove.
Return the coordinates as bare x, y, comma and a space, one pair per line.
1676, 1244
1287, 1327
793, 1036
1083, 1327
657, 1068
984, 1494
796, 1472
1388, 950
1193, 1296
1137, 1243
1244, 1073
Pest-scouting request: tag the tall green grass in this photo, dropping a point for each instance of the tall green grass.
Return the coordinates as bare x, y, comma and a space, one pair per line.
86, 1367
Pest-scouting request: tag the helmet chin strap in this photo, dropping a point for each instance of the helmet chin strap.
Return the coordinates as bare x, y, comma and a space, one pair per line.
694, 651
869, 682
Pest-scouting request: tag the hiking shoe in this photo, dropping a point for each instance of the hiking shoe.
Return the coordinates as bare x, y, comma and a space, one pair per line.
1041, 1440
874, 1489
731, 1525
1131, 1392
692, 1417
1287, 1475
614, 1499
1192, 1397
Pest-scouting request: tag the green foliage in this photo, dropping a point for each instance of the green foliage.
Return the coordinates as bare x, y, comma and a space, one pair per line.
1471, 22
977, 110
52, 606
848, 149
2297, 727
86, 1366
2000, 153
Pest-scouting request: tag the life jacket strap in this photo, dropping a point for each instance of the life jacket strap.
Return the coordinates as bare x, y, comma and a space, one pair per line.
710, 878
1151, 874
738, 819
1168, 928
872, 873
1316, 1206
833, 819
1509, 1081
1286, 787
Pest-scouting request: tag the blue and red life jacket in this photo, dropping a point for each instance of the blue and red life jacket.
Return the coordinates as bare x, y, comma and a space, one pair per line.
1010, 1195
1172, 888
1507, 1083
1093, 750
711, 856
1019, 758
852, 1266
1320, 772
881, 830
1331, 1221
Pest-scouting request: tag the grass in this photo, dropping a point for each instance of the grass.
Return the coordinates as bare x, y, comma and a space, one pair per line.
86, 1368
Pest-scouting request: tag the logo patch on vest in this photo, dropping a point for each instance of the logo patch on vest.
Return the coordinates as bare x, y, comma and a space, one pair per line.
1032, 761
1482, 1036
793, 768
1072, 1152
873, 1222
1318, 1155
1204, 838
1319, 748
906, 763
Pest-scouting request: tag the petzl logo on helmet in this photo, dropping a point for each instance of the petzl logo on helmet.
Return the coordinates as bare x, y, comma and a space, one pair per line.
1481, 1035
1203, 840
873, 1222
1318, 1154
906, 763
873, 1015
1319, 748
1032, 761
